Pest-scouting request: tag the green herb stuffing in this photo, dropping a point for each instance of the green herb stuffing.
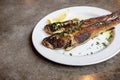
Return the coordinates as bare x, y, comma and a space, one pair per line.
102, 23
110, 36
101, 33
55, 26
97, 43
75, 23
104, 44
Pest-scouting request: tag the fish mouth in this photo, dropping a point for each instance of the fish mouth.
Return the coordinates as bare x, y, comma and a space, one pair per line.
47, 29
47, 44
53, 42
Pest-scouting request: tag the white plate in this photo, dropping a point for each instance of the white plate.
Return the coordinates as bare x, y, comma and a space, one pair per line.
75, 60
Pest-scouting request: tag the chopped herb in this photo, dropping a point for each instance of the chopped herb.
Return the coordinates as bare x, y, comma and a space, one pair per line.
58, 25
81, 21
110, 36
101, 33
78, 22
104, 44
102, 23
97, 24
55, 26
108, 39
75, 23
97, 43
91, 52
70, 54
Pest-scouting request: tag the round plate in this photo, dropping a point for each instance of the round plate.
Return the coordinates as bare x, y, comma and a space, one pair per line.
57, 56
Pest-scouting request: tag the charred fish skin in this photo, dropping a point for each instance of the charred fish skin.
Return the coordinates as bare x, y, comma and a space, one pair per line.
95, 29
69, 41
56, 41
53, 41
82, 37
92, 31
75, 23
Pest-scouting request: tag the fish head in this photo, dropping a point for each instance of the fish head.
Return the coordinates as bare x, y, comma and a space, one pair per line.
53, 42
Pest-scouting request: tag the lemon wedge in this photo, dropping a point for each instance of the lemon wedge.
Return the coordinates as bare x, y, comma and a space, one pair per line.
58, 18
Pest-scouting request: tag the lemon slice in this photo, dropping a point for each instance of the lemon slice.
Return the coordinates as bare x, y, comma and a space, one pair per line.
58, 18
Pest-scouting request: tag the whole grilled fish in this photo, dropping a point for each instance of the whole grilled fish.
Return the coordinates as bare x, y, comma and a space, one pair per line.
58, 27
76, 24
71, 40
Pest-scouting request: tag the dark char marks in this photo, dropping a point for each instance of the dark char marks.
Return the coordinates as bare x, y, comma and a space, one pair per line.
82, 37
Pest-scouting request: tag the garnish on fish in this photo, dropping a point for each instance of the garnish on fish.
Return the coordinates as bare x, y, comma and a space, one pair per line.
77, 24
69, 40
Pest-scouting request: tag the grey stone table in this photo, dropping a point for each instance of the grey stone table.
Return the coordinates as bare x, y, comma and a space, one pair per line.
18, 58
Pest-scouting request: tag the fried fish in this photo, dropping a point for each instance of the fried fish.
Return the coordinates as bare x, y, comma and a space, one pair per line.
77, 24
69, 41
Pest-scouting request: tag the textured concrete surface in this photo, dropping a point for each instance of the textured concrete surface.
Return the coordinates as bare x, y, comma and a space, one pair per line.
18, 58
